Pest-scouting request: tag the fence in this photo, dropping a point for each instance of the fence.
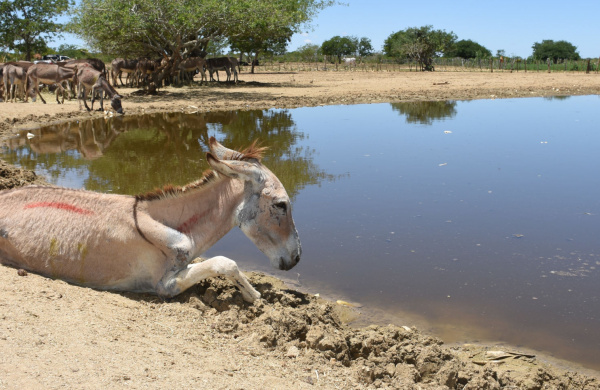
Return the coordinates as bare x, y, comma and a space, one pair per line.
441, 65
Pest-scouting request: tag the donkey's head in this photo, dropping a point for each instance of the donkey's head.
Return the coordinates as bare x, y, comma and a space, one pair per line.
265, 214
115, 102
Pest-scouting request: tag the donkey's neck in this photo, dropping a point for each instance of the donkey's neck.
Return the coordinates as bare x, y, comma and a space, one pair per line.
205, 213
108, 88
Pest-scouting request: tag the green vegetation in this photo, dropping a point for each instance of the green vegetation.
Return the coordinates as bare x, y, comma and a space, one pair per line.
364, 47
157, 27
266, 39
555, 50
308, 52
421, 44
466, 48
339, 47
26, 25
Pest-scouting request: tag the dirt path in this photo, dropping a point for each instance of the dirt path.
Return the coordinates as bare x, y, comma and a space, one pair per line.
55, 335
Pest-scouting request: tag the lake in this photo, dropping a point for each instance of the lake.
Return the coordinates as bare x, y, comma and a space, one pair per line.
477, 221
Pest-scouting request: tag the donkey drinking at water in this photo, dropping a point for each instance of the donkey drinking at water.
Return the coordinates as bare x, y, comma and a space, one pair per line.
90, 80
146, 243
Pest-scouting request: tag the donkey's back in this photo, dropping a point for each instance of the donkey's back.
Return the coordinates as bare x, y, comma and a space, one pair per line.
75, 235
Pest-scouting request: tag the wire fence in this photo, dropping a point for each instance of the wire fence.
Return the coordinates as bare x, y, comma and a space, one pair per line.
440, 65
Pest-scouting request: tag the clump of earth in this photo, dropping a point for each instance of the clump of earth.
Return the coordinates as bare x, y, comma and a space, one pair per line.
11, 176
304, 326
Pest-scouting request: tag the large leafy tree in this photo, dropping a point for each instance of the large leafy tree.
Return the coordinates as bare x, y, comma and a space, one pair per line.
141, 27
364, 47
421, 44
340, 46
466, 48
555, 50
26, 25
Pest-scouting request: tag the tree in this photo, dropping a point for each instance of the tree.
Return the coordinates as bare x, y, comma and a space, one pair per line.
26, 25
421, 44
217, 47
425, 113
468, 49
158, 27
500, 53
555, 50
308, 52
71, 51
365, 48
262, 39
340, 46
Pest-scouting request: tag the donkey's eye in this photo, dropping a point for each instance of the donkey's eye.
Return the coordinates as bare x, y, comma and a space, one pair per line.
281, 206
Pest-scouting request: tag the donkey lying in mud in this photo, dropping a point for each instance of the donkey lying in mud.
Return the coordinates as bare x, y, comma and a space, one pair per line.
146, 243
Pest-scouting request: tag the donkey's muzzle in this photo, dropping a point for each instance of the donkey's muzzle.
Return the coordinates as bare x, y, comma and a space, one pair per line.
288, 265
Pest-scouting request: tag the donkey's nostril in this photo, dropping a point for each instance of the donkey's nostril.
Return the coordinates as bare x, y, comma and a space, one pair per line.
297, 259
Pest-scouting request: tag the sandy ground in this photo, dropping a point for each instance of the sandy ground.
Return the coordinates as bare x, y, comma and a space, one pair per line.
56, 335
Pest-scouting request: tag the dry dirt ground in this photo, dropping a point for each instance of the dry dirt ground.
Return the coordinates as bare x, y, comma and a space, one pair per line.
56, 335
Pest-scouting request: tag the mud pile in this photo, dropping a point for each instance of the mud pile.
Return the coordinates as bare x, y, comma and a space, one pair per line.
11, 176
303, 326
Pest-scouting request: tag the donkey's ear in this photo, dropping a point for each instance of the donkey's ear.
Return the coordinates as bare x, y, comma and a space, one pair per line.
235, 169
220, 151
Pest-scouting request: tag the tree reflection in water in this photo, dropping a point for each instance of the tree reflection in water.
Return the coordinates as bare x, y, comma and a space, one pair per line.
425, 112
132, 154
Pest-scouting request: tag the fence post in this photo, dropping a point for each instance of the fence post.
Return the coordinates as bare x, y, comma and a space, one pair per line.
548, 64
588, 66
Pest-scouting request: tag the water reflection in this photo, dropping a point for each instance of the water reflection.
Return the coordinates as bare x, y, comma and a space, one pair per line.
556, 97
142, 152
425, 112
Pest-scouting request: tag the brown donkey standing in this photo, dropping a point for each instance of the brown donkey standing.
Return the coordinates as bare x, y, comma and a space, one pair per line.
92, 80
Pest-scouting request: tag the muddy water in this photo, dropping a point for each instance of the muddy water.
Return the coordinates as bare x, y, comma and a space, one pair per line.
479, 219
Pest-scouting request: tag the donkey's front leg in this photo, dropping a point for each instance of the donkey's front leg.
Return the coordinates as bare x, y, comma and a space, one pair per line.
175, 283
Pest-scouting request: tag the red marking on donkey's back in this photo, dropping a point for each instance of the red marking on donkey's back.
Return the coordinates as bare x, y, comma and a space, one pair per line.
59, 205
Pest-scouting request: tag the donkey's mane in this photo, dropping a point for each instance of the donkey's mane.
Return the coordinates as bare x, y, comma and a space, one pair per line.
252, 152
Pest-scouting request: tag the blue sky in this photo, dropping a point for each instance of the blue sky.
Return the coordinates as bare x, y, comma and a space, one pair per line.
513, 26
507, 24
